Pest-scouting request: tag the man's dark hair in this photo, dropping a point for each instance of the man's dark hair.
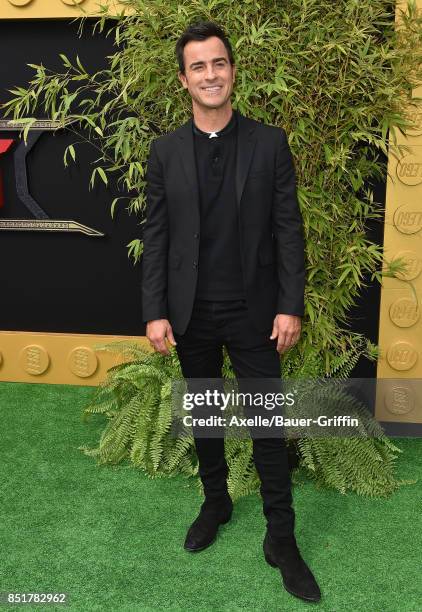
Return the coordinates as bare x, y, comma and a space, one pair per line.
201, 30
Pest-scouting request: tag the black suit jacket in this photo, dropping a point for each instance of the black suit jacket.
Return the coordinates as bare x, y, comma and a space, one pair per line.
270, 224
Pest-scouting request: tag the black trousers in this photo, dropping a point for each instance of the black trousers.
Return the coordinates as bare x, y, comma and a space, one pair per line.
252, 355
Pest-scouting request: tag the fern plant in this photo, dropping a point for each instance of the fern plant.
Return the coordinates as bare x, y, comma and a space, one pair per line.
136, 398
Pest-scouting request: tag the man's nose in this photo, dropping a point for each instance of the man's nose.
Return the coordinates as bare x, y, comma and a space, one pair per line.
210, 73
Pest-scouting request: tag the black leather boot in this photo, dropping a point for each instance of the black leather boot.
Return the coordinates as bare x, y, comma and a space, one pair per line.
297, 577
203, 530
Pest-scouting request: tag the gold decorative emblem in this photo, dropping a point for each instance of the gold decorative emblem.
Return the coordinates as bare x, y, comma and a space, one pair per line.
412, 265
399, 400
402, 355
404, 312
407, 220
20, 2
409, 170
82, 361
415, 116
34, 359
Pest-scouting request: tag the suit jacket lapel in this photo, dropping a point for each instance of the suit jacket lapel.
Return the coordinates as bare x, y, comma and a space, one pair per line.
187, 156
246, 141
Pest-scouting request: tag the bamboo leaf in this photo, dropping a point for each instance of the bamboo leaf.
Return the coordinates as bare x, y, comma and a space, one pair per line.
103, 175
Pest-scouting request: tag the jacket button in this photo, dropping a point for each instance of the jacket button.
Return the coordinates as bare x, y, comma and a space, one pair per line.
195, 264
196, 235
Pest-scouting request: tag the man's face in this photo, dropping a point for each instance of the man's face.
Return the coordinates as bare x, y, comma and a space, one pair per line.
209, 76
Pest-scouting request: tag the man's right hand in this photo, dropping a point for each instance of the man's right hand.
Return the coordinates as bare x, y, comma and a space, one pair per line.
156, 332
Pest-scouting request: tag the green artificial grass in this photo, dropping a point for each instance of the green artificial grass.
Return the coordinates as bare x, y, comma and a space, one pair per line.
112, 538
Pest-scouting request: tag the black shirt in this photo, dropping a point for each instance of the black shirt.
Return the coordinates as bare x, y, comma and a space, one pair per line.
219, 270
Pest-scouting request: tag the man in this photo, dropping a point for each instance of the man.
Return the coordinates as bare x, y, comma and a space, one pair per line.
223, 265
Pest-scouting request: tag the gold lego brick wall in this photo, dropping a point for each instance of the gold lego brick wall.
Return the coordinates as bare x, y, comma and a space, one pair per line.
55, 9
400, 326
57, 358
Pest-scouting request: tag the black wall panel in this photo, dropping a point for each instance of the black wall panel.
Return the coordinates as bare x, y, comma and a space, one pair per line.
63, 282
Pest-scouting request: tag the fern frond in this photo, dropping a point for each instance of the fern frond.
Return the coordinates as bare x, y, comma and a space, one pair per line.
137, 398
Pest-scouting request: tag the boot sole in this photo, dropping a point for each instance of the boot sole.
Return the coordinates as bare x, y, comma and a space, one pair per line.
200, 547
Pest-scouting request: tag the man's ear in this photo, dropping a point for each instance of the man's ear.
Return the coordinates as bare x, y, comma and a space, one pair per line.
182, 79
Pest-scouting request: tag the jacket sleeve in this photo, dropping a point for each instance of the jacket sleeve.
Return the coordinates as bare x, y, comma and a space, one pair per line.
155, 243
288, 231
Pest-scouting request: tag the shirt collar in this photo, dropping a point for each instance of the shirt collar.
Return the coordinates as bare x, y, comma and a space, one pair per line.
227, 128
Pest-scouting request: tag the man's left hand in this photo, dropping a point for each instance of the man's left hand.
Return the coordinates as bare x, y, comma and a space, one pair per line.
287, 329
